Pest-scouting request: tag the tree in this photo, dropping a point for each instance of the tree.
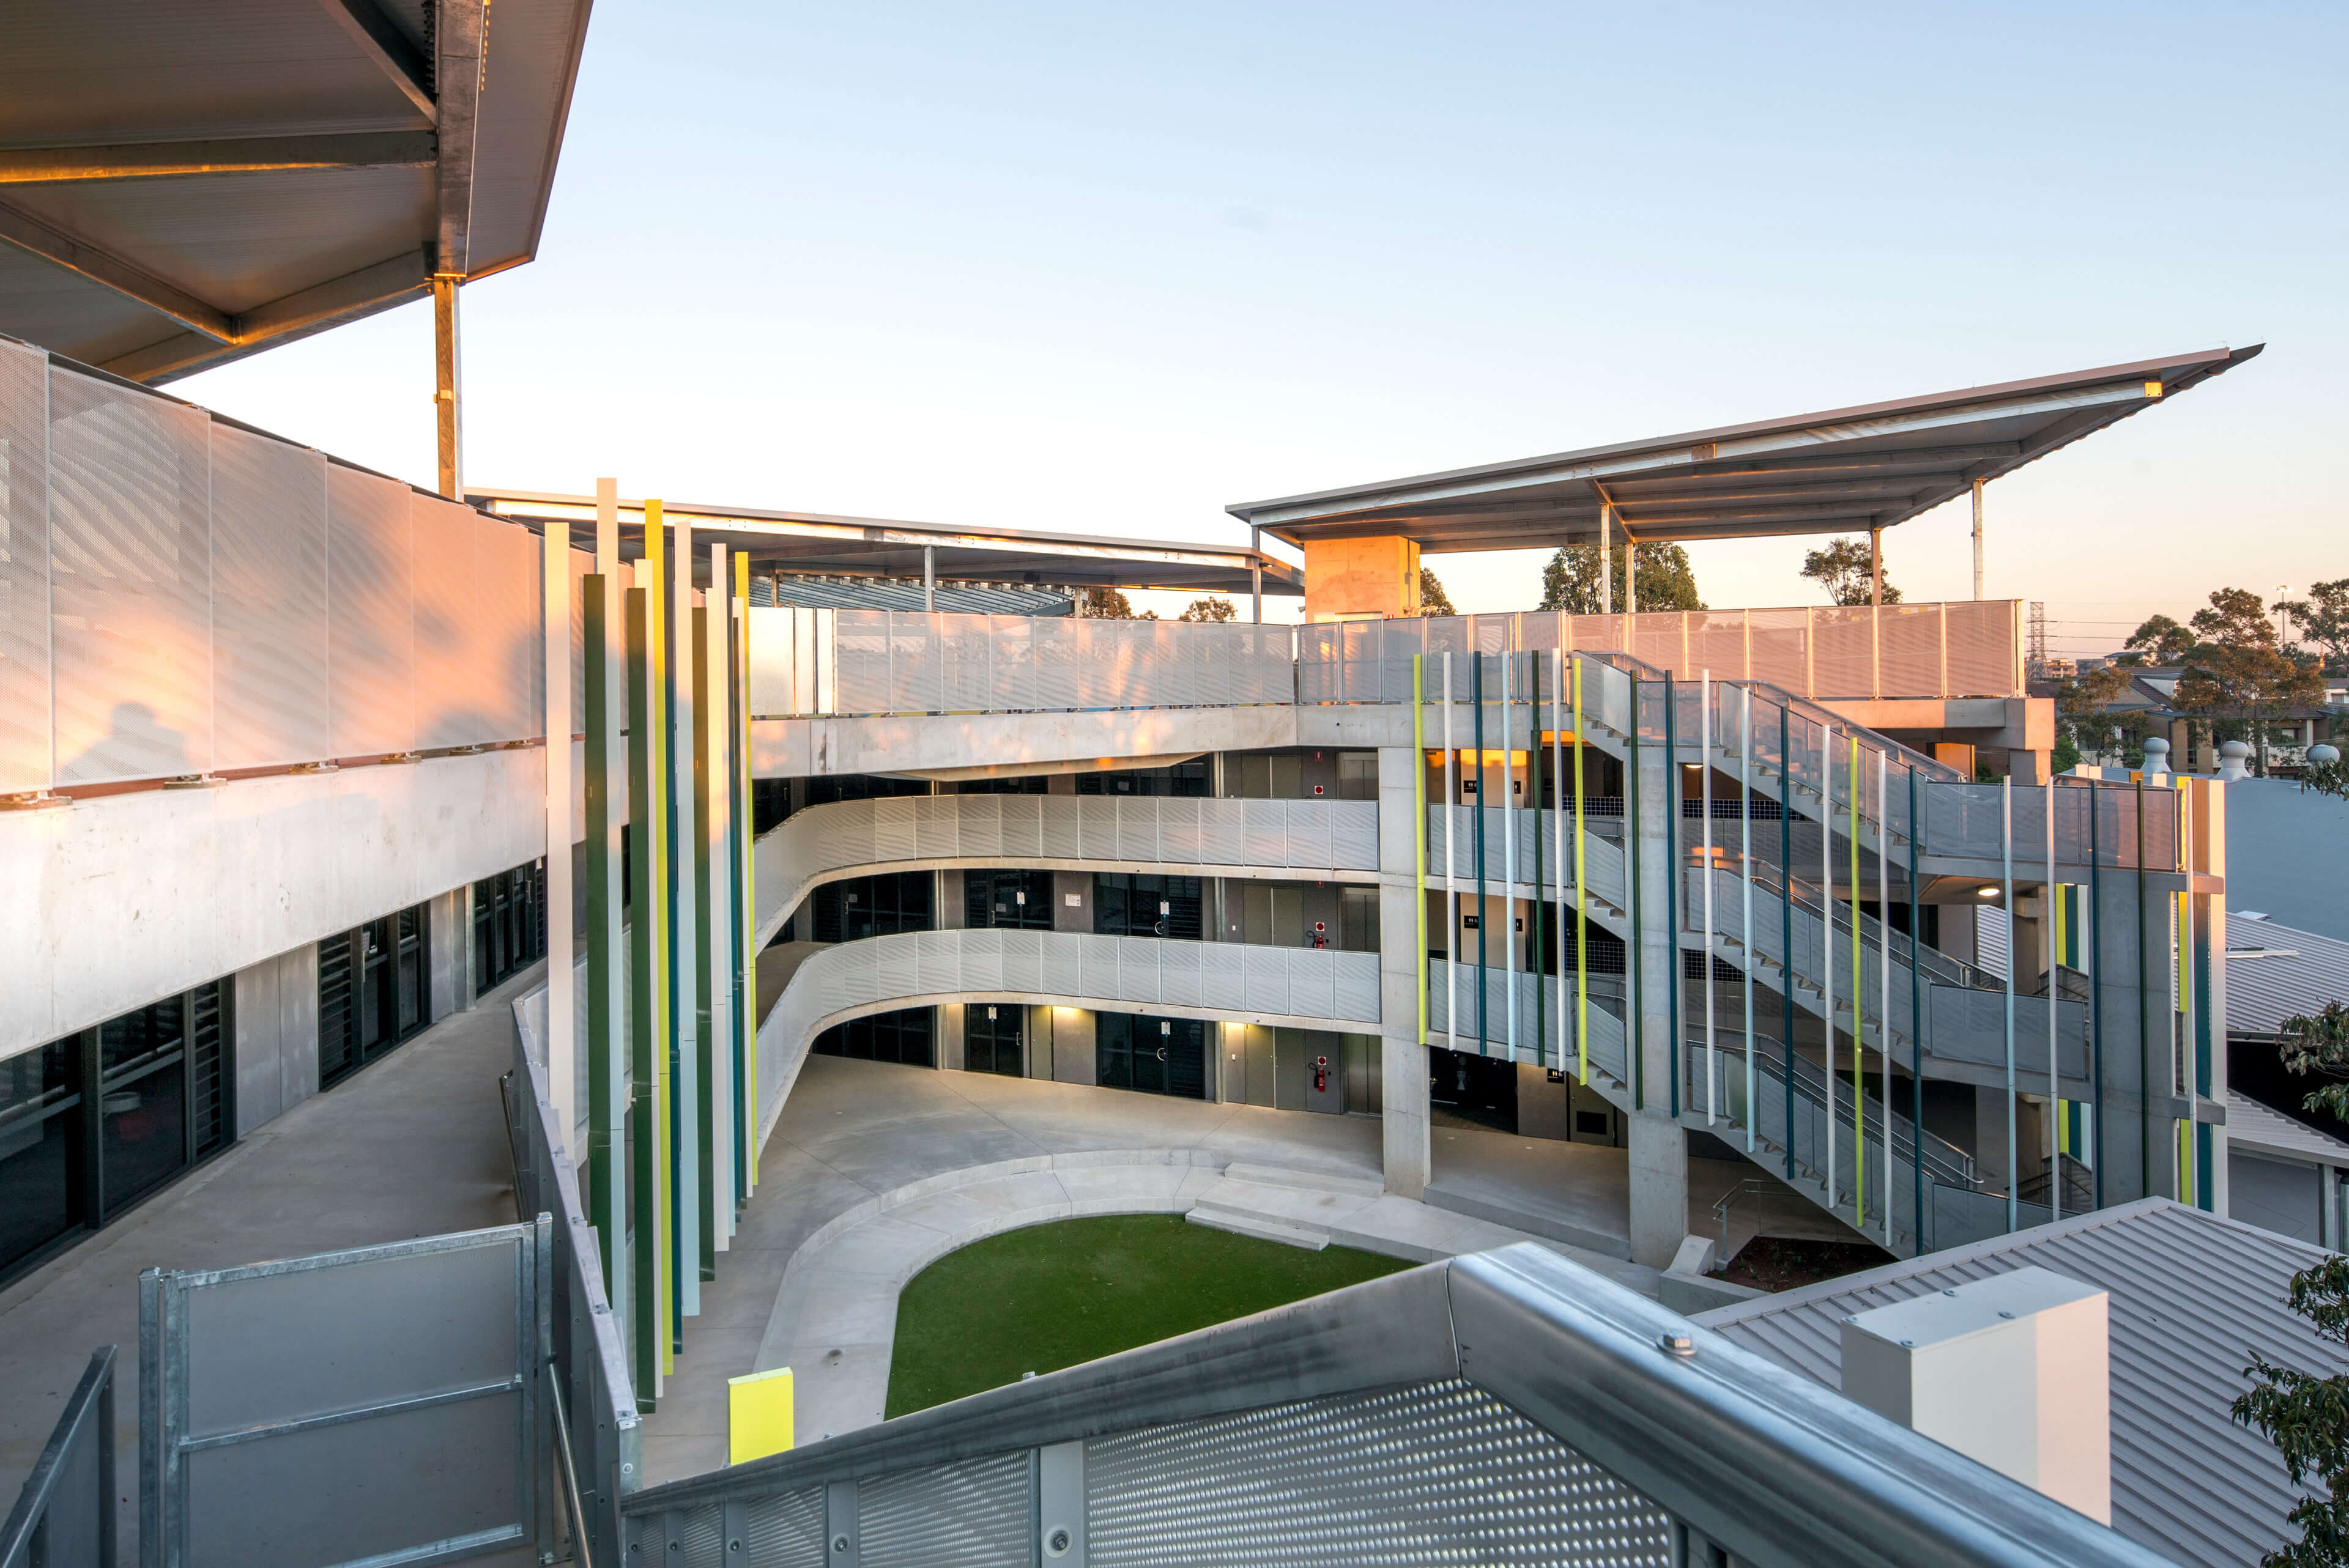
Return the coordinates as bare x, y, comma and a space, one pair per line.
1111, 604
1663, 573
2323, 619
2307, 1419
2160, 641
2304, 1416
2085, 720
1433, 600
2319, 1043
2236, 671
1214, 607
1845, 569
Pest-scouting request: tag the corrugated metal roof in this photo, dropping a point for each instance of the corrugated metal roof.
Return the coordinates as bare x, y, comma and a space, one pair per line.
2252, 1126
1843, 470
2193, 1298
2299, 973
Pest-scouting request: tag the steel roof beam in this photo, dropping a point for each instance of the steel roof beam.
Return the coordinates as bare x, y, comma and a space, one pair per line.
53, 244
1830, 461
245, 155
296, 314
384, 43
460, 42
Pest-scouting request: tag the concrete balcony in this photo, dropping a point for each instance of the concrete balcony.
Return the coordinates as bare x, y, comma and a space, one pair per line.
1237, 982
1319, 839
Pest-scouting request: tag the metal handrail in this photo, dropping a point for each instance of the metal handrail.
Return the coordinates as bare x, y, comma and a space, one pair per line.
608, 1428
88, 1417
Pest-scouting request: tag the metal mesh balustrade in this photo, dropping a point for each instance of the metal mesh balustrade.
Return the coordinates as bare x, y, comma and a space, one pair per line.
1363, 1479
901, 662
179, 595
129, 584
1809, 652
24, 569
1508, 1408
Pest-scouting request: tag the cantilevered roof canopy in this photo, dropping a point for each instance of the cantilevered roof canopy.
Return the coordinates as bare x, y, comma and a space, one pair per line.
1845, 469
876, 547
184, 182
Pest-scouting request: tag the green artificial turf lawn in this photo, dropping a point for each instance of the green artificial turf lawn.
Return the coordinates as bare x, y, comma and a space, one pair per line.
1052, 1296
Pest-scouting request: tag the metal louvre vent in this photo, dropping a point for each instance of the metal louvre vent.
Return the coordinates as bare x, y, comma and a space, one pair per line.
966, 1515
1439, 1473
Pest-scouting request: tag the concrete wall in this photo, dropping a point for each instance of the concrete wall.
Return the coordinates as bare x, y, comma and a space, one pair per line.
2277, 1195
1077, 917
1073, 1044
277, 1011
949, 1040
118, 901
1545, 1109
448, 932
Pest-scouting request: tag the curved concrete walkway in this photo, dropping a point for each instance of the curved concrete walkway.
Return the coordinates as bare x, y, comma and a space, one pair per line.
873, 1171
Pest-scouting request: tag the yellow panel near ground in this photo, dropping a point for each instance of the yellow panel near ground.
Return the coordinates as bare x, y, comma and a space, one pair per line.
758, 1415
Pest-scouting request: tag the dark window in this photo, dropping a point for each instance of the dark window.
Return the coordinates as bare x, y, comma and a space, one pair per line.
1035, 785
212, 1090
771, 803
1155, 1055
826, 789
508, 924
71, 1157
374, 990
1482, 1090
1127, 905
1182, 780
40, 1149
991, 1039
903, 1036
882, 906
143, 1100
1021, 900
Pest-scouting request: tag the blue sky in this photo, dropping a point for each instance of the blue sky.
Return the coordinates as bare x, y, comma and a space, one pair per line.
1109, 268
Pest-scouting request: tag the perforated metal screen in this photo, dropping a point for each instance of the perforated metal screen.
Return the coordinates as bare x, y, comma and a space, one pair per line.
181, 595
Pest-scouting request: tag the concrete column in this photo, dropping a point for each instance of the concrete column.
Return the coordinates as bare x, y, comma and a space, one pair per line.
1407, 1153
1659, 1148
950, 1040
276, 1017
1659, 1190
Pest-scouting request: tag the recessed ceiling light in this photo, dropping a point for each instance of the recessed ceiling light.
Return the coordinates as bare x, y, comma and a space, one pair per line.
1985, 892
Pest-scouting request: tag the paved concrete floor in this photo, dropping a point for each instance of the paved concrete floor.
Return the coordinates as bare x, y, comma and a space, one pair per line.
854, 1131
862, 1146
413, 1146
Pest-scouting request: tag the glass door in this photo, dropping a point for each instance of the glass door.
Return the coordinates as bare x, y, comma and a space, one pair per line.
991, 1039
1154, 1056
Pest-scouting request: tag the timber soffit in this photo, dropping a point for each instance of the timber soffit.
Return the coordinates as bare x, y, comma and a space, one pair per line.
1869, 466
186, 182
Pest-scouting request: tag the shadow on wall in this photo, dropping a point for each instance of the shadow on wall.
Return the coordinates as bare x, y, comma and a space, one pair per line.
137, 745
